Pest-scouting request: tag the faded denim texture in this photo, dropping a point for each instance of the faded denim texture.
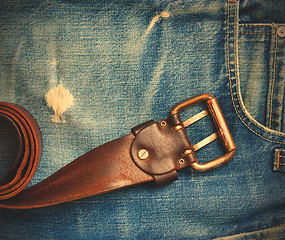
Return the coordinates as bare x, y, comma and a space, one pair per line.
126, 62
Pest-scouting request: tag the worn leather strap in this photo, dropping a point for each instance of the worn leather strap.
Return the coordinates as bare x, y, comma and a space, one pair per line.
103, 169
153, 151
96, 172
109, 167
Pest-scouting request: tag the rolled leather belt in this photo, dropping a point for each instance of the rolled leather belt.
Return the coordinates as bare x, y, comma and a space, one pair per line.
29, 152
153, 151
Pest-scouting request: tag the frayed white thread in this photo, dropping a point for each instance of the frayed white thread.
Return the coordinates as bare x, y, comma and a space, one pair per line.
163, 14
59, 99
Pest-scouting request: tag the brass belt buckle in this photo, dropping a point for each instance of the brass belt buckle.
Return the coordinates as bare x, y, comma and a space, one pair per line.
222, 130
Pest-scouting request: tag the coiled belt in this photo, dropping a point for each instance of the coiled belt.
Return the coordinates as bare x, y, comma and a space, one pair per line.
29, 152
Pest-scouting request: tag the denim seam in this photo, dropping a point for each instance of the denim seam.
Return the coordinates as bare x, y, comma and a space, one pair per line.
282, 225
237, 82
258, 33
256, 26
274, 227
237, 75
273, 80
278, 161
266, 237
270, 102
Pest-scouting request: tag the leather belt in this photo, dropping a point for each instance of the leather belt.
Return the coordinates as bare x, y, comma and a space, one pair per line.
29, 152
154, 151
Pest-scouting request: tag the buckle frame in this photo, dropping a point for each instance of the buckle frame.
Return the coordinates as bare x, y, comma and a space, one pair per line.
221, 125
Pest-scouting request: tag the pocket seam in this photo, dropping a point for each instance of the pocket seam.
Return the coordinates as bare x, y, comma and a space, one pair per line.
273, 80
257, 34
263, 128
270, 100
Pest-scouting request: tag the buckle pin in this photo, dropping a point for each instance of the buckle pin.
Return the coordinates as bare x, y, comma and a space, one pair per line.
195, 118
192, 120
205, 141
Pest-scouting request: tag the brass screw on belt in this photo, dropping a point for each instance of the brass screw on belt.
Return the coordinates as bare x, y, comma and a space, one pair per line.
181, 161
163, 123
143, 154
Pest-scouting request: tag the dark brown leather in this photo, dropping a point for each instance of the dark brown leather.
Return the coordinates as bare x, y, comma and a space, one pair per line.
101, 170
153, 151
29, 153
165, 147
106, 168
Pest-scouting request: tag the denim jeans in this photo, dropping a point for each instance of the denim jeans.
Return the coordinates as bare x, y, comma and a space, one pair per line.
126, 62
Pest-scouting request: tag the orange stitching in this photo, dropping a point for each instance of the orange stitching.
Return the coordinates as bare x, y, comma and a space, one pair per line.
279, 156
228, 51
256, 26
279, 164
273, 81
278, 160
257, 33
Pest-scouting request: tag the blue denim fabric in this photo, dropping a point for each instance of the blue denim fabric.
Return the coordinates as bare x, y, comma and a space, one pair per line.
125, 63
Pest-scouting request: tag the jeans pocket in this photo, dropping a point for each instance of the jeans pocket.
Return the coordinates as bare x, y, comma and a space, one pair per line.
261, 59
255, 61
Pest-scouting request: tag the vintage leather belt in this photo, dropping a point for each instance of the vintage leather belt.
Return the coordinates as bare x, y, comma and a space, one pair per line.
153, 151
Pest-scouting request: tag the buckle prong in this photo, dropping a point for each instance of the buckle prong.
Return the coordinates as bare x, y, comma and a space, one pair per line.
192, 120
205, 141
195, 118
